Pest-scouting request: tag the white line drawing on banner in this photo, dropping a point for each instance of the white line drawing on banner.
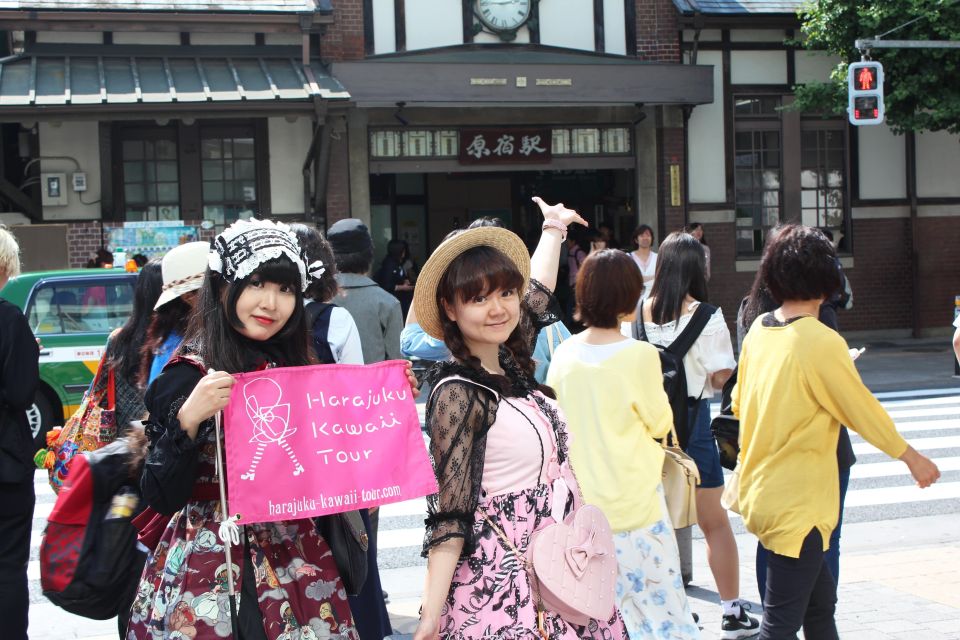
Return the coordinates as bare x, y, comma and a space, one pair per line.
270, 420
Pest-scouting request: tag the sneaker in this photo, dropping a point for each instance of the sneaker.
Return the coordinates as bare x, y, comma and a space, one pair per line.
742, 626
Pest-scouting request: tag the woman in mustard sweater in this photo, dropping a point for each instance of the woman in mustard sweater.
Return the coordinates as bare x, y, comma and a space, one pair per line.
610, 389
795, 386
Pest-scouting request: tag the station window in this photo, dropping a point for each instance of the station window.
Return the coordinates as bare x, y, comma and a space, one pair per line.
150, 175
765, 132
228, 170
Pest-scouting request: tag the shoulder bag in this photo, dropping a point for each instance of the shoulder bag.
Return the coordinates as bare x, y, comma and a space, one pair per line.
571, 564
347, 537
92, 426
680, 480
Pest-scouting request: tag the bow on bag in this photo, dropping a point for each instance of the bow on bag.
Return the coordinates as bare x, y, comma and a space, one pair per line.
578, 556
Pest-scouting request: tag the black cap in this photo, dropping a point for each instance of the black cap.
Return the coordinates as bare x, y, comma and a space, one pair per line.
349, 236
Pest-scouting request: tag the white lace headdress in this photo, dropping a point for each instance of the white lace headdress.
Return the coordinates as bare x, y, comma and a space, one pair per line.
247, 244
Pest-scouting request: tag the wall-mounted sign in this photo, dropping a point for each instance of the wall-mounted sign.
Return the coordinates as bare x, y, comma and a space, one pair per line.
504, 146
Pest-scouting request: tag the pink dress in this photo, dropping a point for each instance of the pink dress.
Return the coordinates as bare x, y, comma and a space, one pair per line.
518, 447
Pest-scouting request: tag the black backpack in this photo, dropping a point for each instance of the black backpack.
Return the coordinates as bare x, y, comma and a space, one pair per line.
671, 362
318, 319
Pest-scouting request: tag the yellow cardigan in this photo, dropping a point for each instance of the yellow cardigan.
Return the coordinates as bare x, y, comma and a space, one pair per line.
795, 386
614, 410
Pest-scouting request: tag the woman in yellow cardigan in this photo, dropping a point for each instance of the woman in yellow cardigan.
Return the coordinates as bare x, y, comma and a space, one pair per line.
610, 389
795, 386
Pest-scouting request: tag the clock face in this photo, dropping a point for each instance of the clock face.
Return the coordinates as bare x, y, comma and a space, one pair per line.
503, 15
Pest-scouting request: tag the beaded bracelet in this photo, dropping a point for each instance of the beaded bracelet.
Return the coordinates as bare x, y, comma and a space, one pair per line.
556, 224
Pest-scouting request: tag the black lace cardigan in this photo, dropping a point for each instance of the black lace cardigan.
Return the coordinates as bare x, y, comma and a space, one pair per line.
460, 413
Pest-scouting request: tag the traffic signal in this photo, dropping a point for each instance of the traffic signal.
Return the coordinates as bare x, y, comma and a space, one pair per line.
865, 85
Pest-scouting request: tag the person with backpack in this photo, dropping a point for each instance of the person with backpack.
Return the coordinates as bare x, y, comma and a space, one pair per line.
609, 389
336, 341
249, 316
696, 344
19, 377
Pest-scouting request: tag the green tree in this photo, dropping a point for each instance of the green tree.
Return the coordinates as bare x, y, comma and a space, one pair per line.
921, 89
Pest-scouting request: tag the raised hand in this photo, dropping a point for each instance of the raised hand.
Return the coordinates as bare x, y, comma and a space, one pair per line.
559, 212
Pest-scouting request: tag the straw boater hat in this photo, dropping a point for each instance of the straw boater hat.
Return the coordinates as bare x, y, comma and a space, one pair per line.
425, 294
183, 268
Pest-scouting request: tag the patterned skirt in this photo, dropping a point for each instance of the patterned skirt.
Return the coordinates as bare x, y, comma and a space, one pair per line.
650, 591
490, 594
183, 591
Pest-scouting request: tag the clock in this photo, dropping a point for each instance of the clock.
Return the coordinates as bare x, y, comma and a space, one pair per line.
503, 16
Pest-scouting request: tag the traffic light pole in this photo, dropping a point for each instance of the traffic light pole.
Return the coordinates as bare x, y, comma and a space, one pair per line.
867, 44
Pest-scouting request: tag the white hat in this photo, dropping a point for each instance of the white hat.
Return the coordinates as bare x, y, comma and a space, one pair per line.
183, 268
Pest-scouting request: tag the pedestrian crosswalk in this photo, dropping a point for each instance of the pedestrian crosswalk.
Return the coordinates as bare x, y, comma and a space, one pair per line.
880, 489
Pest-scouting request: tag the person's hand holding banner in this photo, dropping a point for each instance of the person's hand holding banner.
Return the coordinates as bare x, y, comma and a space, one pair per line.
309, 441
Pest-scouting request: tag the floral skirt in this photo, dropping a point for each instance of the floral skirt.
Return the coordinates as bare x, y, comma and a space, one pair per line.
490, 594
650, 591
183, 592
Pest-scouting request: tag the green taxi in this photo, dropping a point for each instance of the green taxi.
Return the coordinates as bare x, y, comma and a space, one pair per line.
71, 312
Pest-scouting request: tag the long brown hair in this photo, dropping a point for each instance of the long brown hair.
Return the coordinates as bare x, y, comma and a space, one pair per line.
477, 271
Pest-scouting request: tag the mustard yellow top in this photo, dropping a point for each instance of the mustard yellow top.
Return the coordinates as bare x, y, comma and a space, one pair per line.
613, 399
795, 386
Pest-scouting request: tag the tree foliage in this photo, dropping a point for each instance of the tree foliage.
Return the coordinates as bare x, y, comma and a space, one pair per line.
921, 90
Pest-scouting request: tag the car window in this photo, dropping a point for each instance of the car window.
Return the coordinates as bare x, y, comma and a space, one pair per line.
85, 306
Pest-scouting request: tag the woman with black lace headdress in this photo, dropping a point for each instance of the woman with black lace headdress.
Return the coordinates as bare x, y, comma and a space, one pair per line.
496, 437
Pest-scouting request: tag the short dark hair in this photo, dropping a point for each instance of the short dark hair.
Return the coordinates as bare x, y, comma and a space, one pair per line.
639, 231
316, 247
608, 287
799, 263
356, 262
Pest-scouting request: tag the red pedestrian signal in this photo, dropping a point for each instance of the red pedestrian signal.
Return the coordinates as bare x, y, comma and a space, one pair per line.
865, 100
866, 79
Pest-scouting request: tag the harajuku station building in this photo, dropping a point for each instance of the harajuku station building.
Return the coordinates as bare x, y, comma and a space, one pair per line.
143, 122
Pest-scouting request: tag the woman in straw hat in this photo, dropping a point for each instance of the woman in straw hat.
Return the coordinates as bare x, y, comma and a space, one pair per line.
498, 442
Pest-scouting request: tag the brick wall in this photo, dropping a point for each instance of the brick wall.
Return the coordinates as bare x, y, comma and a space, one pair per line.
343, 40
672, 154
939, 270
727, 287
658, 37
880, 278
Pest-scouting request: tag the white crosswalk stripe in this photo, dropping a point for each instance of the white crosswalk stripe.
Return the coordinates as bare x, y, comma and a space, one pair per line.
880, 488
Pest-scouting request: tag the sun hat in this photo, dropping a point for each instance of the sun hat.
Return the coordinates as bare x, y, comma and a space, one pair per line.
425, 293
183, 268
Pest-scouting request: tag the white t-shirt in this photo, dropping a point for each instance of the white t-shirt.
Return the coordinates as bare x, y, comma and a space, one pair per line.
956, 322
712, 351
344, 338
647, 272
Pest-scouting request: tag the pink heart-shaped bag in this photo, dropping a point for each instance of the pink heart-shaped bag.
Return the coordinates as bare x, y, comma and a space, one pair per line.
576, 566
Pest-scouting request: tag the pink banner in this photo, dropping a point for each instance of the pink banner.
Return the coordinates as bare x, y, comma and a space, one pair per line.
309, 441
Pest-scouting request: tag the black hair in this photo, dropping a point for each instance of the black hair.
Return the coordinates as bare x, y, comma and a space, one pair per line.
213, 332
758, 302
316, 247
125, 354
355, 262
174, 316
681, 271
799, 263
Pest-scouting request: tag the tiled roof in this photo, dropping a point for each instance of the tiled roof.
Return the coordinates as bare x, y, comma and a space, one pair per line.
737, 7
231, 6
91, 75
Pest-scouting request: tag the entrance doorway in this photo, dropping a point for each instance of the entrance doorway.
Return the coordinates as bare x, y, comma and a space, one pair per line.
422, 208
